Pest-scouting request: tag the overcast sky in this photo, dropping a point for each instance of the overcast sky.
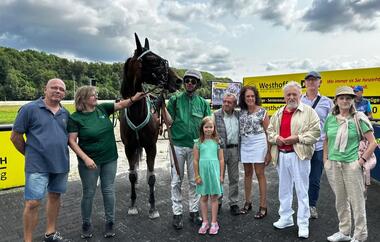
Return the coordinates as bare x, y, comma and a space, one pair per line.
233, 38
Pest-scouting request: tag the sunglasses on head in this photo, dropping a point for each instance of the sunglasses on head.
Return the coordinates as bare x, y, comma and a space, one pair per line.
188, 80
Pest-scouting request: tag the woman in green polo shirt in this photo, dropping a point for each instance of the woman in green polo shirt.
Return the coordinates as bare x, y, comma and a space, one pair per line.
92, 138
343, 165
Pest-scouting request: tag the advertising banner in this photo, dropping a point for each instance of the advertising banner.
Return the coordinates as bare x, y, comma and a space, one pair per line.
220, 88
11, 163
270, 87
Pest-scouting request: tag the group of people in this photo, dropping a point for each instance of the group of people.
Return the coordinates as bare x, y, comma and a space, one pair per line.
310, 133
49, 129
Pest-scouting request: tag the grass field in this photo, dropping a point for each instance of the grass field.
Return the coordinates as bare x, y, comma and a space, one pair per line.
8, 113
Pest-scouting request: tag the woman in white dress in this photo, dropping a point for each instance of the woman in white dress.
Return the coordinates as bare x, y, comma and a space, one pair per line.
254, 151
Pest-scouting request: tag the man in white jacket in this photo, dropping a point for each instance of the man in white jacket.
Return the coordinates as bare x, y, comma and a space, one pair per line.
292, 132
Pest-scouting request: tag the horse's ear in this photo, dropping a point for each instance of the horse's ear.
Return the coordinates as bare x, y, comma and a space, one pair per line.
146, 46
138, 44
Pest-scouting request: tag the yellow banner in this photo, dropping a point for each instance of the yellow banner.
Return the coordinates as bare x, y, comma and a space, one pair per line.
11, 163
270, 87
220, 85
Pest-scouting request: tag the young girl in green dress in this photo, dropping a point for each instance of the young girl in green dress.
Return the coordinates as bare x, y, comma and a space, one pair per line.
208, 171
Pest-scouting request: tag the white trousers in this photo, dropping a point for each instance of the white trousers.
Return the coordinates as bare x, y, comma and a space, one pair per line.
293, 172
184, 155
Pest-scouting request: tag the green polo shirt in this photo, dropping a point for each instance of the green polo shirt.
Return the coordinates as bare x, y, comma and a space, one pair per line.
352, 148
187, 113
95, 133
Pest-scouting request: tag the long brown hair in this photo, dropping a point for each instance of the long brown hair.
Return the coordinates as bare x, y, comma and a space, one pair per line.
214, 134
242, 103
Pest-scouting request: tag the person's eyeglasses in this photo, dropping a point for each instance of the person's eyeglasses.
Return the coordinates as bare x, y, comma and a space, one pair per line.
191, 80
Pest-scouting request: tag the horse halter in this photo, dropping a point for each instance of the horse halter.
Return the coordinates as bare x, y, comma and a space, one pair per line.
159, 72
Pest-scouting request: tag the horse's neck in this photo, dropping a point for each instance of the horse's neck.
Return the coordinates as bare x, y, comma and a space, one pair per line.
138, 111
133, 89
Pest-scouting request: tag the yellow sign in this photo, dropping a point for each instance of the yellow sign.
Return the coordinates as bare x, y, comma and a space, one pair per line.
218, 90
12, 163
270, 87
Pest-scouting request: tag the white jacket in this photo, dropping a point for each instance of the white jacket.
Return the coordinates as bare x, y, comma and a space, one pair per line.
304, 123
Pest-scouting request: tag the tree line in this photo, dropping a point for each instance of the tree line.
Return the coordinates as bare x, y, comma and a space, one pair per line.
23, 75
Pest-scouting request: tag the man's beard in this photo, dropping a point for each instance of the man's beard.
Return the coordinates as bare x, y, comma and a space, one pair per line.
292, 104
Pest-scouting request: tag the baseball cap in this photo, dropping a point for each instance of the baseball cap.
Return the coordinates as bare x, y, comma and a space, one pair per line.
313, 74
358, 88
193, 73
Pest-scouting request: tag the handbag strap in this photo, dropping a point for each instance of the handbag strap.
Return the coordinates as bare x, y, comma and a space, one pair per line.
358, 129
316, 102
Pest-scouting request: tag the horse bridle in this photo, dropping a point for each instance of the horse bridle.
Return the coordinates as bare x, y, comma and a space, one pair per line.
157, 73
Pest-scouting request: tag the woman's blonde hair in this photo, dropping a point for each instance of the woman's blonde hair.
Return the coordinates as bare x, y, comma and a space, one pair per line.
214, 135
81, 95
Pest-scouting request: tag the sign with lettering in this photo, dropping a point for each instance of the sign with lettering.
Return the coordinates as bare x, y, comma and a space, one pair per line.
11, 163
270, 87
220, 88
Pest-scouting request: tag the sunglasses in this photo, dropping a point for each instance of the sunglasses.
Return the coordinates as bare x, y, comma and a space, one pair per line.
191, 80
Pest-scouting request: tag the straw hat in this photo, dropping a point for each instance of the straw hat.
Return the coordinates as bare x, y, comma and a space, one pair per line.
344, 90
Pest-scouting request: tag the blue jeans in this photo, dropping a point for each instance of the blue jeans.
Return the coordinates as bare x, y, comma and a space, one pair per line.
89, 177
37, 183
315, 177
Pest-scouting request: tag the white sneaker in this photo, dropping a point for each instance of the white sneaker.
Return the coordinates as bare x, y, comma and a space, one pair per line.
356, 240
313, 212
303, 233
281, 224
338, 236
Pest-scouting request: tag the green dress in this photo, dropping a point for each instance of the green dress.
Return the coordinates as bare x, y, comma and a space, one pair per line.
209, 168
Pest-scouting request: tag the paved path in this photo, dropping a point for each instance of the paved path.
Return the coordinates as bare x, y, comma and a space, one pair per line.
141, 228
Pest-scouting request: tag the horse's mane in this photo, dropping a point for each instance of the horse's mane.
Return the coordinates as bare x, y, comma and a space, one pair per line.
125, 88
128, 83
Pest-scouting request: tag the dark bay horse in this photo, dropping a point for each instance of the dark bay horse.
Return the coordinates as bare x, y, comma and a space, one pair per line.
139, 124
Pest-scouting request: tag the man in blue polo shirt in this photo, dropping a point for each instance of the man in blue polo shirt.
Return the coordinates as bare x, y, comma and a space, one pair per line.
46, 156
322, 105
362, 104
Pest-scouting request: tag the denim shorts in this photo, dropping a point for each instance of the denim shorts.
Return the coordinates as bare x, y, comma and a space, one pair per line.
37, 184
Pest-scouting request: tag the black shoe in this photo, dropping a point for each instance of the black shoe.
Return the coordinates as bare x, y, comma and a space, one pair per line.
219, 208
109, 232
56, 236
177, 221
86, 231
195, 218
234, 209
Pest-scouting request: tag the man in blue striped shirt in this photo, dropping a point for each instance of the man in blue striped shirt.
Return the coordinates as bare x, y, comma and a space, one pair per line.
322, 106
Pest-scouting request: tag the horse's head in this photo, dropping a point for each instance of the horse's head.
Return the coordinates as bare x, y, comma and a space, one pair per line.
148, 67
